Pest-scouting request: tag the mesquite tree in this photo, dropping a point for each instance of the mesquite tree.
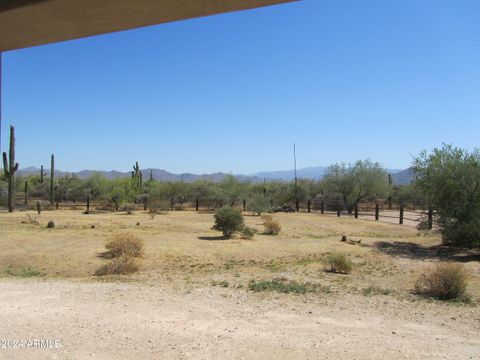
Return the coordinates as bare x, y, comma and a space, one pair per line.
10, 167
352, 183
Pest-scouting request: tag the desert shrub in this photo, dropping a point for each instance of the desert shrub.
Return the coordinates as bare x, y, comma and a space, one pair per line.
286, 287
179, 207
152, 212
125, 245
50, 224
118, 266
129, 208
3, 194
272, 227
376, 290
444, 281
222, 283
30, 272
228, 221
247, 232
158, 207
339, 263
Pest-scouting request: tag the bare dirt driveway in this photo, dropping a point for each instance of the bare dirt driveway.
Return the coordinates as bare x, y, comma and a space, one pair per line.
118, 320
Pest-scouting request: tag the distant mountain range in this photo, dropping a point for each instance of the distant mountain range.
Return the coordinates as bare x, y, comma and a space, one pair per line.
400, 177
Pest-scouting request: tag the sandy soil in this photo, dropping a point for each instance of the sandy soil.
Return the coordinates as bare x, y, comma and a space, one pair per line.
175, 309
128, 321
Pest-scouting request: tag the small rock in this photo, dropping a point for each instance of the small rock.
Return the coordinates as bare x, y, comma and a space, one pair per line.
50, 224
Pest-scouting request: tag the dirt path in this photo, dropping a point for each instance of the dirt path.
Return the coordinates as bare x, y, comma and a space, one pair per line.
136, 321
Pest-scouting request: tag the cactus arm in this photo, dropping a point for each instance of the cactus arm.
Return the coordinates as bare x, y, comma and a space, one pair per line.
5, 164
16, 167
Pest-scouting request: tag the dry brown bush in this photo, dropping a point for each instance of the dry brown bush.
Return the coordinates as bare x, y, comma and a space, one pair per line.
444, 281
124, 244
118, 266
339, 263
272, 227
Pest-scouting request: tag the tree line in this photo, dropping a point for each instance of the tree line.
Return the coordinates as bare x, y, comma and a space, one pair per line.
447, 179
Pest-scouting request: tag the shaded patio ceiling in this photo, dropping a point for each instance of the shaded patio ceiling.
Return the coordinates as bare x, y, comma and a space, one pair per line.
25, 23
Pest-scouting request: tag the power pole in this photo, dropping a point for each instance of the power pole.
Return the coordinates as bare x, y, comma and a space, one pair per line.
297, 204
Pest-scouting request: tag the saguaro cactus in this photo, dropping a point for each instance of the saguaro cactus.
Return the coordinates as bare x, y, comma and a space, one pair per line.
52, 178
42, 174
10, 167
137, 176
25, 190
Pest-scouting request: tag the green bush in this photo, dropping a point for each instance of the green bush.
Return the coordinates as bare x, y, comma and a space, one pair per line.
228, 221
445, 281
286, 287
449, 176
339, 263
247, 232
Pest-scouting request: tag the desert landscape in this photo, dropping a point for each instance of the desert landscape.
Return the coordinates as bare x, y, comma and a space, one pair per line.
239, 180
199, 295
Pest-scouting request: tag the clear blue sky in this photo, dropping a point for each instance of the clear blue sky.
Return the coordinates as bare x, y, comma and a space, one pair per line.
345, 80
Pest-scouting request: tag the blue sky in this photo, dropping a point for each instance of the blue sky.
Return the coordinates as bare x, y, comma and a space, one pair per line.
345, 80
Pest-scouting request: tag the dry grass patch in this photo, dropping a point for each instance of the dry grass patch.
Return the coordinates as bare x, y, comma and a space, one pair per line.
123, 249
272, 227
445, 281
339, 263
124, 244
122, 265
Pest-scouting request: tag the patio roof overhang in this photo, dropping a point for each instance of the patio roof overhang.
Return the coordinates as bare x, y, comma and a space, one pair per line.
26, 23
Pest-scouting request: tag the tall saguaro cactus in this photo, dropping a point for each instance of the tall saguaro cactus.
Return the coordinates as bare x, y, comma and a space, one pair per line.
10, 167
137, 176
42, 174
52, 178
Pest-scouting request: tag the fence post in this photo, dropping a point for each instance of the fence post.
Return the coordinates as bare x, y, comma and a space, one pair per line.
26, 192
401, 214
244, 205
145, 203
430, 217
322, 207
88, 205
308, 205
39, 208
390, 202
171, 204
338, 210
377, 211
356, 211
196, 204
297, 205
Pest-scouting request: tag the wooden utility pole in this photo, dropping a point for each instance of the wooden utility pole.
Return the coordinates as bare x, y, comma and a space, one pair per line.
297, 204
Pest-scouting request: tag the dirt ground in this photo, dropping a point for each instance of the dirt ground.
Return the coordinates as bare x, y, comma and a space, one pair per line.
191, 298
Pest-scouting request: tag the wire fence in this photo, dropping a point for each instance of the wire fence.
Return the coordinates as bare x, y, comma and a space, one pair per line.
412, 212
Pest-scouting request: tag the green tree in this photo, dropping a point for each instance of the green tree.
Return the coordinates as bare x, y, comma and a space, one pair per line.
450, 178
258, 204
228, 221
352, 183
